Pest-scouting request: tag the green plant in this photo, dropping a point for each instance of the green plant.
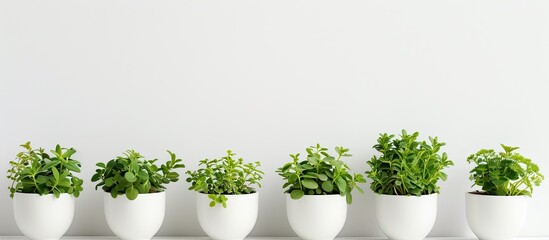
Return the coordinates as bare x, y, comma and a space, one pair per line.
225, 176
320, 174
505, 173
35, 171
407, 166
132, 174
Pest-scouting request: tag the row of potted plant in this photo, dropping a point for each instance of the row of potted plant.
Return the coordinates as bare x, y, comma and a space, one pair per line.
318, 188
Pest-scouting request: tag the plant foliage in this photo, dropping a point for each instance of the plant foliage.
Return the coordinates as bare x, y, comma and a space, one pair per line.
505, 173
320, 174
35, 171
132, 174
225, 176
407, 166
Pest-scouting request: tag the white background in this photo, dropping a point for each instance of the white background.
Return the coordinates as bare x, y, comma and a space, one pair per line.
268, 78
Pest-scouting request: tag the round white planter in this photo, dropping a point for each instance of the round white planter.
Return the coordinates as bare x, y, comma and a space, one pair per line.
137, 219
317, 217
43, 217
234, 222
495, 217
406, 217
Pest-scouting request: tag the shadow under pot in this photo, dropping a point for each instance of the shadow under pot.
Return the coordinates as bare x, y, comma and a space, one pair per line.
43, 217
406, 217
234, 222
317, 217
495, 217
137, 219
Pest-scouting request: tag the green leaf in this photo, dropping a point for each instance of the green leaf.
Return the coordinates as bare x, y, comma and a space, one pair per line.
322, 177
349, 198
296, 194
56, 193
172, 175
55, 174
143, 175
68, 153
312, 160
341, 184
50, 164
64, 183
309, 183
327, 186
130, 177
71, 166
131, 193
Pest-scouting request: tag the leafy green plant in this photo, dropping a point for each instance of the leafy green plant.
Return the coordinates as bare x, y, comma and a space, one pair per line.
225, 176
407, 166
35, 171
320, 174
132, 175
505, 173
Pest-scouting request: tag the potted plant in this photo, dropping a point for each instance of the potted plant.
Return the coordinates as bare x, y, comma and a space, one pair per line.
318, 190
44, 189
404, 178
507, 179
139, 212
226, 201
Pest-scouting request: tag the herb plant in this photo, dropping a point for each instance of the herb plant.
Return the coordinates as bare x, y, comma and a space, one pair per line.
35, 171
407, 166
132, 174
225, 176
320, 174
505, 173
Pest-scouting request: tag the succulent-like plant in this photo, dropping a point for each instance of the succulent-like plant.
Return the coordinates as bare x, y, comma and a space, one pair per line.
35, 171
505, 173
407, 166
132, 175
320, 174
225, 176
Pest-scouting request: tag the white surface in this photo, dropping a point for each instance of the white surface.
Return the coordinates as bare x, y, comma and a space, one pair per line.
266, 238
314, 217
496, 217
406, 217
268, 78
140, 218
43, 217
231, 223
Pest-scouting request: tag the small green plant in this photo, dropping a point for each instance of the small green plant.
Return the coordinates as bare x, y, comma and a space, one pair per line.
35, 171
505, 173
132, 174
320, 174
407, 166
225, 176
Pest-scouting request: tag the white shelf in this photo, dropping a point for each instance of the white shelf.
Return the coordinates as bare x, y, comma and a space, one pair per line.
257, 238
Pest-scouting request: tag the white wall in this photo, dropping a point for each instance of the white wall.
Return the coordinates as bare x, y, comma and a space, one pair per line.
268, 78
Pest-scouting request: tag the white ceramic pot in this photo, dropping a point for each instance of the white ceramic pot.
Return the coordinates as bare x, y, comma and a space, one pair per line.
406, 217
495, 217
317, 217
43, 217
137, 219
234, 222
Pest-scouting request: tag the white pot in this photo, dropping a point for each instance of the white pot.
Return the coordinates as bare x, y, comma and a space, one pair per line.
406, 217
317, 217
495, 217
43, 217
234, 222
137, 219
